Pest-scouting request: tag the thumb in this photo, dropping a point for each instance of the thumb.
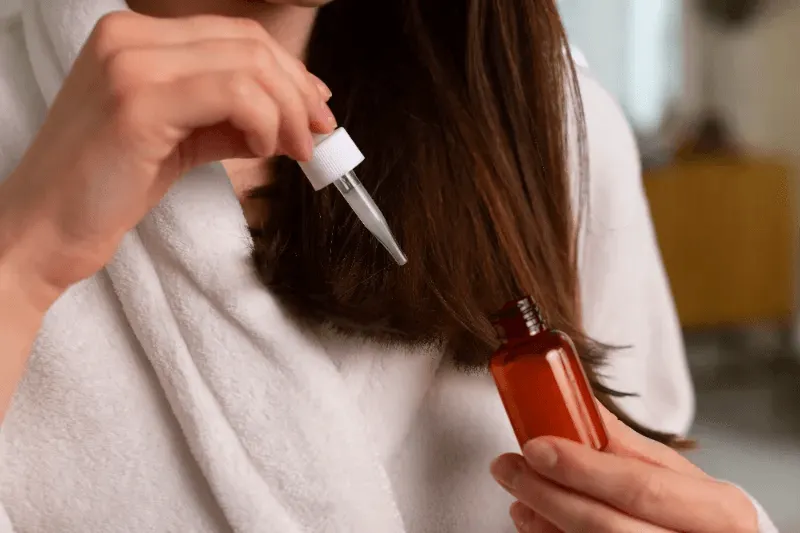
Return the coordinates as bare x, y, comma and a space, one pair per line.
625, 442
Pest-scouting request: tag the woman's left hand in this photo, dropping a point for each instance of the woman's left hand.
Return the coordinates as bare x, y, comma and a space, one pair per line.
635, 486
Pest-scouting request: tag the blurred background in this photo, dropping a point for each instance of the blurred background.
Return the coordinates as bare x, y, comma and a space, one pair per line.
712, 88
6, 6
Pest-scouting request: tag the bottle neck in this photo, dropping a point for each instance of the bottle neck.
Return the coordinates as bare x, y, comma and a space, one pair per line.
518, 320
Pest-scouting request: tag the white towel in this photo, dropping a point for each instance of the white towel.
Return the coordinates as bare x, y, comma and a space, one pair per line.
218, 343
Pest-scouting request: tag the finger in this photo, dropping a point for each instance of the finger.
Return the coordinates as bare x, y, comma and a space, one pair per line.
623, 441
527, 521
125, 30
209, 100
294, 133
313, 87
651, 493
322, 87
135, 67
211, 27
164, 64
295, 117
312, 91
568, 511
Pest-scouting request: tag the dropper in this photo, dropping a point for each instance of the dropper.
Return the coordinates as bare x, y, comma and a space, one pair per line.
334, 160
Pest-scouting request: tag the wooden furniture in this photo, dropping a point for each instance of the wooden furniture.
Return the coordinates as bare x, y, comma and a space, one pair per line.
728, 233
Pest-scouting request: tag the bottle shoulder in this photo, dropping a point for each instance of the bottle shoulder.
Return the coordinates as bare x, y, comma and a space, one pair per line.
538, 345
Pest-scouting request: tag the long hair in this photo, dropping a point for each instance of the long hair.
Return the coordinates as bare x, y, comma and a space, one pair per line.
461, 107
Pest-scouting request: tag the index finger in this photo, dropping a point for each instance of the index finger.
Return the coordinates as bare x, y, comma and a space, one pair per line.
625, 442
130, 29
214, 27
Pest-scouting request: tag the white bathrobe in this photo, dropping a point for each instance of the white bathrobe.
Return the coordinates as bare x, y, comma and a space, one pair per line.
170, 392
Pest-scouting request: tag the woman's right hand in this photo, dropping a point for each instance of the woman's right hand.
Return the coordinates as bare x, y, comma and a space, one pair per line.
147, 100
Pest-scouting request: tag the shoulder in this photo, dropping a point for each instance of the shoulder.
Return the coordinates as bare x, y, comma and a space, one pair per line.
22, 107
614, 189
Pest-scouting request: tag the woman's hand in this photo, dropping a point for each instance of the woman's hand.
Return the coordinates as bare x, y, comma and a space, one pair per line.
146, 100
636, 486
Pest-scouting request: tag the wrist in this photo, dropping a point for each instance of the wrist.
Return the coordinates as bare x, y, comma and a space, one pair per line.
21, 262
21, 289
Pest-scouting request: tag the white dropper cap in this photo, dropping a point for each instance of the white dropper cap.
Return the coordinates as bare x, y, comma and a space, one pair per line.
335, 154
335, 158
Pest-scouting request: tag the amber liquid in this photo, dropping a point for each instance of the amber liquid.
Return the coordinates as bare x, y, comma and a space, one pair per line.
545, 390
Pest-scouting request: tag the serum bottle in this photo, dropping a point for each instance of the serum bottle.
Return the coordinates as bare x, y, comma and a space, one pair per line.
542, 384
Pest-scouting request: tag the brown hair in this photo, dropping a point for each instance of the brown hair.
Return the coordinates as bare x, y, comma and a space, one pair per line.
462, 109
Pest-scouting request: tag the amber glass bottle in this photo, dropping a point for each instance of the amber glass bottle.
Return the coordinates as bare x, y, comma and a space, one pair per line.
541, 381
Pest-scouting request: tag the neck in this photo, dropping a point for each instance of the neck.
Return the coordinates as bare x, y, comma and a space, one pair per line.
289, 25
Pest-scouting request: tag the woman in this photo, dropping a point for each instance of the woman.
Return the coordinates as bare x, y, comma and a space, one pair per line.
166, 390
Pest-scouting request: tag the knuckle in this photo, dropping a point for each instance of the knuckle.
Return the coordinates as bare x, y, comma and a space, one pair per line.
108, 33
260, 56
239, 88
239, 85
296, 67
302, 68
643, 496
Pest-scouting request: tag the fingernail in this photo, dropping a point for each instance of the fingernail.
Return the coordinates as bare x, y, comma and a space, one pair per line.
506, 470
523, 517
323, 89
541, 455
330, 120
